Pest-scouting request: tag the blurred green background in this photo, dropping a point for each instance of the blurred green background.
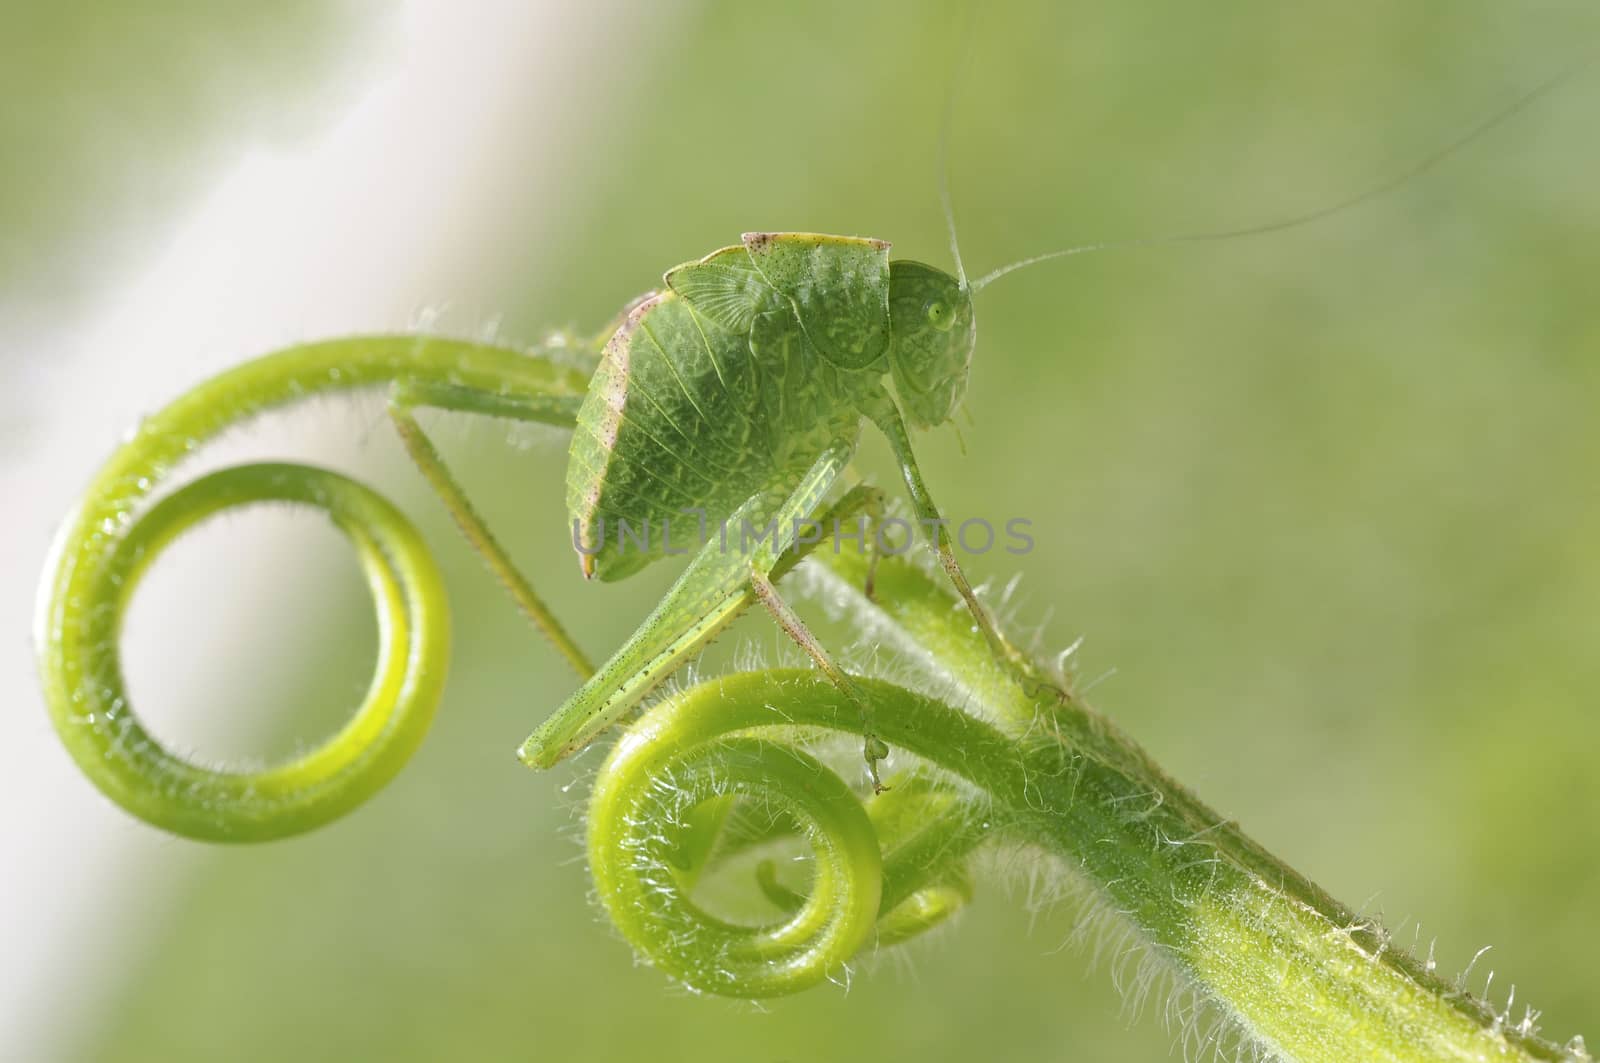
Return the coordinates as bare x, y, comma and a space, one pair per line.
1325, 500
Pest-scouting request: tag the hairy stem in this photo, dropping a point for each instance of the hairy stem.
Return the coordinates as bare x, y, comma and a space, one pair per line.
1293, 972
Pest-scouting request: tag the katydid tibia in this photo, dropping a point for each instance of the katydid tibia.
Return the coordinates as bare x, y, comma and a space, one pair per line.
736, 394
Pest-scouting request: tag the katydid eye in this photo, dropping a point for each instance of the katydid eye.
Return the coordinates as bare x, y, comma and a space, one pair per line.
940, 316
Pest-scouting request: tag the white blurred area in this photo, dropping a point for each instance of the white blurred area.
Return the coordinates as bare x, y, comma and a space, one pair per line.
390, 208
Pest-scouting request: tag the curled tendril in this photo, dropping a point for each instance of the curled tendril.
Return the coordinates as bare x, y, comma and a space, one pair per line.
326, 782
116, 533
879, 877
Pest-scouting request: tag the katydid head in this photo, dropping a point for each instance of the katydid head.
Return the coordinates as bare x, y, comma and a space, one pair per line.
934, 331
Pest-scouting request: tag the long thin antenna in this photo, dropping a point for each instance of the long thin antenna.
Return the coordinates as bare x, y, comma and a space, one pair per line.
1417, 169
945, 123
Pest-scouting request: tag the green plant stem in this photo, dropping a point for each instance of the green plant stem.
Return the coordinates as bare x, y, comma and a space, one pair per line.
1290, 969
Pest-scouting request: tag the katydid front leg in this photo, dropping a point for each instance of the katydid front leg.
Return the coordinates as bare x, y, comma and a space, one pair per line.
886, 415
719, 584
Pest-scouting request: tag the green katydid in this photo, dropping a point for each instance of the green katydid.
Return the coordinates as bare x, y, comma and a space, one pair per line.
739, 391
736, 394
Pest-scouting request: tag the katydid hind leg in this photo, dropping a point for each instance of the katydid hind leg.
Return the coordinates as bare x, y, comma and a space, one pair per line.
875, 509
769, 559
862, 508
710, 593
873, 749
714, 589
869, 502
431, 464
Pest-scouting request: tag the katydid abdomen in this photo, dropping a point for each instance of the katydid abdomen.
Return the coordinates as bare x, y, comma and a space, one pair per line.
682, 425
